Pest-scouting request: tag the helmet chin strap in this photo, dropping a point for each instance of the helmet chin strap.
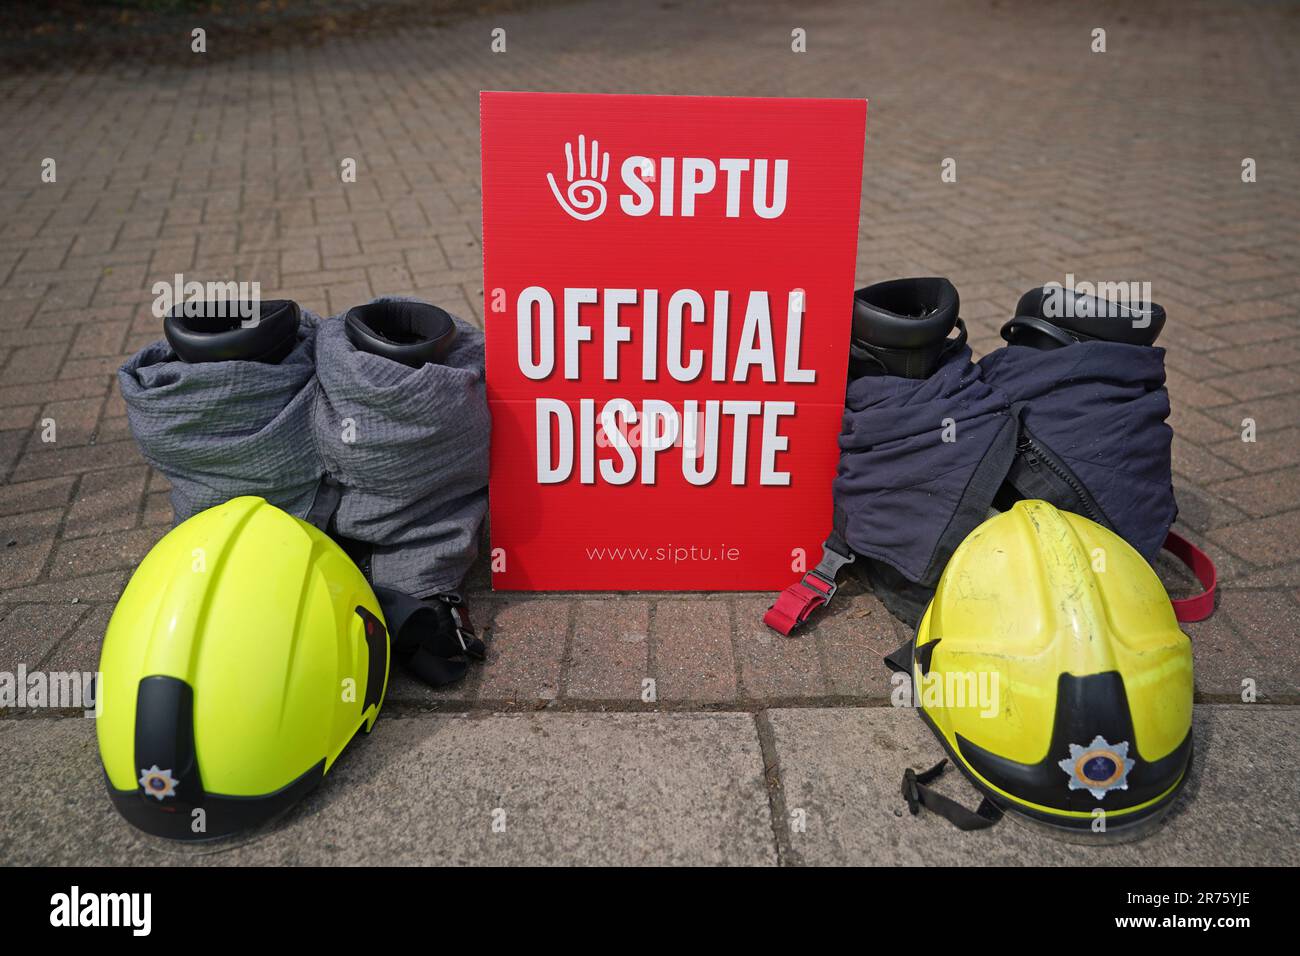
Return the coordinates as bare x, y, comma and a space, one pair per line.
918, 795
915, 791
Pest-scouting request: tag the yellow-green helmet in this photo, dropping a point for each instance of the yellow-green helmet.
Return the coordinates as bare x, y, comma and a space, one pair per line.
1051, 666
244, 654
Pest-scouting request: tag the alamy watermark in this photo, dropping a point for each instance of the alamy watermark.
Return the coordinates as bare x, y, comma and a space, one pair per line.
212, 300
1098, 300
75, 908
56, 690
950, 690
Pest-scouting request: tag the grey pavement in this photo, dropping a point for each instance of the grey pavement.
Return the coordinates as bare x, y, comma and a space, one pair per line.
810, 786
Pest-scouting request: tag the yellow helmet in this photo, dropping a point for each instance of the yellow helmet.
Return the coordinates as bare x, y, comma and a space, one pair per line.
245, 653
1051, 667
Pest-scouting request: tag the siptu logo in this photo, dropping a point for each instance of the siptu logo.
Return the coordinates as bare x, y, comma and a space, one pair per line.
585, 197
684, 184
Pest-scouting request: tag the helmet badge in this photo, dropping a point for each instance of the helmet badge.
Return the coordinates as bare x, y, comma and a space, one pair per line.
159, 784
1099, 768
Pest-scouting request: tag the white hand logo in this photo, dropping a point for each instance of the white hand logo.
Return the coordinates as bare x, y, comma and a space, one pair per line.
585, 196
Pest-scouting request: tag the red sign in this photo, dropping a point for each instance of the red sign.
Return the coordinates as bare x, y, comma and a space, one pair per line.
668, 283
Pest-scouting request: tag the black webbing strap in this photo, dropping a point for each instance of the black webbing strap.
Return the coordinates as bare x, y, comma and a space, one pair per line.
838, 538
433, 637
915, 791
900, 660
976, 498
918, 795
328, 495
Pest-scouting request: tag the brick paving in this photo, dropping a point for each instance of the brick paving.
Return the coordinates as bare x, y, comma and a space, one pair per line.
1120, 166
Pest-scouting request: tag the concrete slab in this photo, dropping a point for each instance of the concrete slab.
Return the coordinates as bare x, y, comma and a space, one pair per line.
610, 789
844, 767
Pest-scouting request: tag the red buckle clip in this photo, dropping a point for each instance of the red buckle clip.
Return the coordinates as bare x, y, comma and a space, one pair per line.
793, 605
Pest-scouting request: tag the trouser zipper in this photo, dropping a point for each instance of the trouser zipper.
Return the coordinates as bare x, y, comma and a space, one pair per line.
1036, 456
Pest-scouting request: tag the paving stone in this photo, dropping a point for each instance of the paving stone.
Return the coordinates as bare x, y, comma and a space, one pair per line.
843, 768
1263, 495
1259, 383
35, 495
1198, 465
73, 424
18, 419
106, 586
1269, 622
33, 363
1245, 334
773, 667
1259, 541
79, 650
106, 501
1283, 576
1280, 448
32, 631
62, 460
157, 509
612, 789
82, 556
12, 444
854, 636
25, 544
610, 653
527, 651
97, 368
1254, 356
1186, 419
43, 392
306, 259
1197, 393
1201, 509
1225, 660
692, 650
